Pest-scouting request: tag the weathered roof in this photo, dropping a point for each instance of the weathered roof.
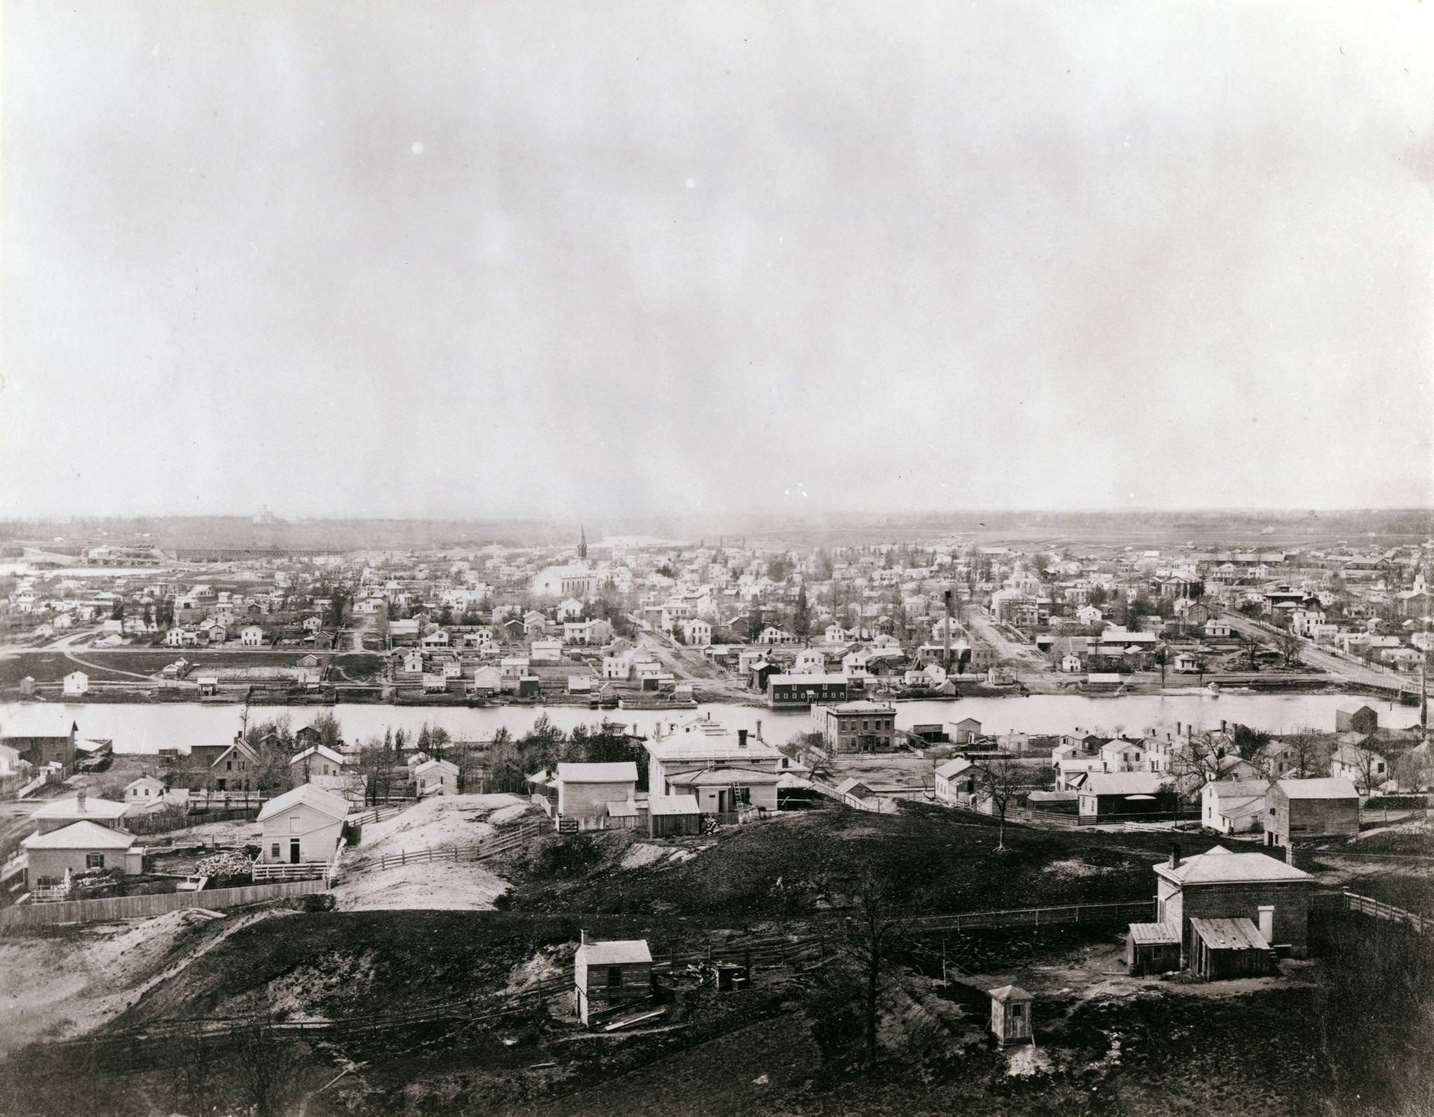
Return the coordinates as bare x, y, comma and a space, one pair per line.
1223, 867
72, 808
309, 795
615, 953
1157, 934
1237, 789
663, 805
1123, 783
848, 786
622, 771
1325, 788
1010, 993
622, 808
813, 679
80, 835
1228, 934
954, 767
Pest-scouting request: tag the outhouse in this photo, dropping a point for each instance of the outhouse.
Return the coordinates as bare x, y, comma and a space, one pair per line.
610, 974
1152, 948
1011, 1015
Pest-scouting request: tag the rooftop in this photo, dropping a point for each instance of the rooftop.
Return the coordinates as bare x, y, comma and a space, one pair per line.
623, 771
615, 953
309, 795
81, 835
1326, 788
1220, 866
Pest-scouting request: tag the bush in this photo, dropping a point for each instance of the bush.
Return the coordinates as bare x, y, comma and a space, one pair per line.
318, 901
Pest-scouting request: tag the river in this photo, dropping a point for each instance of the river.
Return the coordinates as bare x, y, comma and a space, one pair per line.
148, 728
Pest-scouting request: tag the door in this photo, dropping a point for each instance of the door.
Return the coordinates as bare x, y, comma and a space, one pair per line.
294, 848
1267, 924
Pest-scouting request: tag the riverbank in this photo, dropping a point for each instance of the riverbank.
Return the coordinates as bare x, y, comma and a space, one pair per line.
149, 727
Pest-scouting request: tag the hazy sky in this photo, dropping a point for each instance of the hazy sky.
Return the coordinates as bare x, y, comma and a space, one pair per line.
566, 258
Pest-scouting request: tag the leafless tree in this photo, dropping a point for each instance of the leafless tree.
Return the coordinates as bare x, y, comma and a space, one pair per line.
867, 937
1004, 781
1198, 760
265, 1064
1288, 645
1302, 754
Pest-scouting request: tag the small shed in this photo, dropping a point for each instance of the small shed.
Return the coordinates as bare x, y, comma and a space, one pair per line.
610, 974
1152, 948
1011, 1015
1228, 948
673, 815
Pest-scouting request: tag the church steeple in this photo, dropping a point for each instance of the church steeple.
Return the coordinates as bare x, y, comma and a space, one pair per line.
582, 542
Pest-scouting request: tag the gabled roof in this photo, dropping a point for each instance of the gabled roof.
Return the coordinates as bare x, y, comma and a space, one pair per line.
615, 953
1327, 788
318, 750
954, 767
309, 795
80, 835
624, 771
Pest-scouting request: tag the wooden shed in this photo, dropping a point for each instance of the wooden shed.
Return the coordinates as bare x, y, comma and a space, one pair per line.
1011, 1015
1228, 948
1152, 948
673, 815
611, 974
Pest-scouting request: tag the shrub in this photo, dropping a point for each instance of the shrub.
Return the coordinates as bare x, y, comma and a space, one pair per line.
318, 901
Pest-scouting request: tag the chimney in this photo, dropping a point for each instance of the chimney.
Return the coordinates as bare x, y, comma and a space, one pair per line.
759, 729
80, 800
582, 937
1175, 857
741, 738
1222, 725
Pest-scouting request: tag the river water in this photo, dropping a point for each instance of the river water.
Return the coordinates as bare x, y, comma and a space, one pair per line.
148, 728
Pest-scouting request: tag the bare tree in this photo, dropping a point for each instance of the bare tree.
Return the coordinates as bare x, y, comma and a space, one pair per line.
1302, 755
867, 937
1198, 760
265, 1064
1004, 781
1288, 645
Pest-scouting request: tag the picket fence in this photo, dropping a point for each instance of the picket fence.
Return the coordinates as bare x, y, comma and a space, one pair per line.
142, 907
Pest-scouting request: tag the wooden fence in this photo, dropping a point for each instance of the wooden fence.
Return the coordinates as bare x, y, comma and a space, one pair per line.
1367, 906
142, 907
376, 814
474, 851
1115, 911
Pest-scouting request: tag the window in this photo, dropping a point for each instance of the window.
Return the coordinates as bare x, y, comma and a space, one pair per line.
274, 851
94, 860
614, 977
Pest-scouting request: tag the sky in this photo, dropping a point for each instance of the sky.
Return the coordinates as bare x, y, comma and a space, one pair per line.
567, 259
